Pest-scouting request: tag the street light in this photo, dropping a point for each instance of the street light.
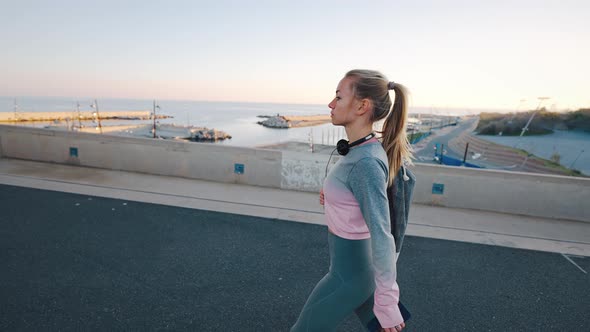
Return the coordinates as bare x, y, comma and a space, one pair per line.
97, 114
526, 127
79, 116
15, 110
154, 114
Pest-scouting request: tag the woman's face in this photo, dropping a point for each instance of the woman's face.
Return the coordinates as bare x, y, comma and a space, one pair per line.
344, 103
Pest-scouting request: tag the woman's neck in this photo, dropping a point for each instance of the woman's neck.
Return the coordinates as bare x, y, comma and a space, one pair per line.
357, 132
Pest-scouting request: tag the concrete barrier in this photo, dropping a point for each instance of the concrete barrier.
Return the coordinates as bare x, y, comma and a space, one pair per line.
162, 157
549, 196
530, 194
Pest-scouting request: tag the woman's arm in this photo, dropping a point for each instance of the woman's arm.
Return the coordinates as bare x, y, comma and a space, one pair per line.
368, 183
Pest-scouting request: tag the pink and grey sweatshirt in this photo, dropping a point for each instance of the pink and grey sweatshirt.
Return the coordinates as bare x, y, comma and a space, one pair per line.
356, 208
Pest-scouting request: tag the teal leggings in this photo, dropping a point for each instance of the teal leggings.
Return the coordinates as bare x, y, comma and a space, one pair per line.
348, 287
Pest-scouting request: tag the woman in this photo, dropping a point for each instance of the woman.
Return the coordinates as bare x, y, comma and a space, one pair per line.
362, 276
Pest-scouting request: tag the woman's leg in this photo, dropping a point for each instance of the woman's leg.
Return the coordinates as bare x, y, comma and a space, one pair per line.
327, 306
344, 288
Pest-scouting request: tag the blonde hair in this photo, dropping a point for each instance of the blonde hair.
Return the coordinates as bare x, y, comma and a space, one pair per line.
372, 85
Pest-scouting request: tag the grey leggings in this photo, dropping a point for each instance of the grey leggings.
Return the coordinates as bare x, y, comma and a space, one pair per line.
348, 287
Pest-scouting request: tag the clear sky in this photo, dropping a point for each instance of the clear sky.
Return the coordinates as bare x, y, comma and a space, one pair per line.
472, 54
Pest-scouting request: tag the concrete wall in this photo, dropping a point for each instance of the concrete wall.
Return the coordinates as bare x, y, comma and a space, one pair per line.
531, 194
510, 192
162, 157
304, 171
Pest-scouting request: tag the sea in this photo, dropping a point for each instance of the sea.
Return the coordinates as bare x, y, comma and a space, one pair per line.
238, 119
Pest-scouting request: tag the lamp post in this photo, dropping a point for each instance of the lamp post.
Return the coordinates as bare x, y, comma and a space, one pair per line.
15, 109
311, 140
79, 116
95, 106
526, 127
154, 115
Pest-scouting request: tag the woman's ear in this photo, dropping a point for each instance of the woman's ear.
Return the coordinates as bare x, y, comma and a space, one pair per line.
365, 105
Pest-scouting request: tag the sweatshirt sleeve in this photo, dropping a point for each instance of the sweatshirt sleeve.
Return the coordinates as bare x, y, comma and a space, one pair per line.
368, 183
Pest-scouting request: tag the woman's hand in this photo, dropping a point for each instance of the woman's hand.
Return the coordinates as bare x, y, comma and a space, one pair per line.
322, 197
394, 329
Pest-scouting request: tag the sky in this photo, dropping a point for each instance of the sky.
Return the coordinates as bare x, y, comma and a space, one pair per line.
461, 54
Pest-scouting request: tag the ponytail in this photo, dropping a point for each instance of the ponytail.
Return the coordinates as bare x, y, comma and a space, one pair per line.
393, 136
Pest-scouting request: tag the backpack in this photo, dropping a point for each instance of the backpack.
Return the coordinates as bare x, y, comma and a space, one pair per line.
399, 195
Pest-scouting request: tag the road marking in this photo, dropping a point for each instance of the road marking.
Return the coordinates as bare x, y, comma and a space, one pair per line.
571, 261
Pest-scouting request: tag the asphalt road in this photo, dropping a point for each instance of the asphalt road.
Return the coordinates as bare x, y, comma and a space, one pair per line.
73, 262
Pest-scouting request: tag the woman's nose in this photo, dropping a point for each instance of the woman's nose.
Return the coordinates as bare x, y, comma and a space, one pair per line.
331, 104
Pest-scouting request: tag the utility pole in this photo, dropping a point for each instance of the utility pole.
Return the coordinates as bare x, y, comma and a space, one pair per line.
95, 106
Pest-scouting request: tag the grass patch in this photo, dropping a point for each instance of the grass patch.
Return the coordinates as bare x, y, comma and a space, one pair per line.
542, 123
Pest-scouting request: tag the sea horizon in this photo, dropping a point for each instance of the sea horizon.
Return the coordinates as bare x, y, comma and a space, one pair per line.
31, 103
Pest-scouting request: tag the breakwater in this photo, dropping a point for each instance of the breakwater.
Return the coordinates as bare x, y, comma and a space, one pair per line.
162, 131
12, 117
292, 121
